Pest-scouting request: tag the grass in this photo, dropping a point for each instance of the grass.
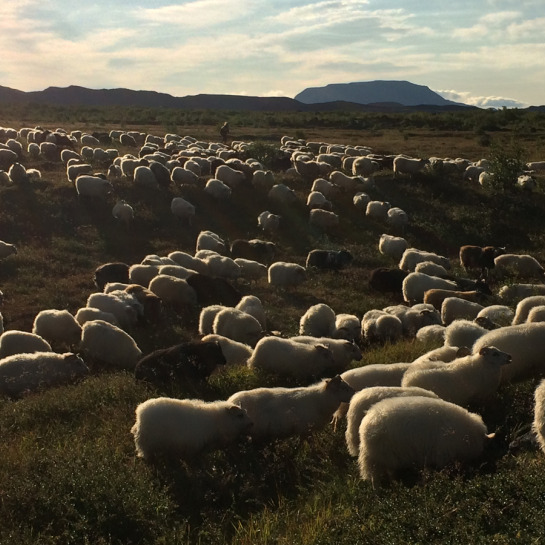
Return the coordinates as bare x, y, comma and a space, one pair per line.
69, 473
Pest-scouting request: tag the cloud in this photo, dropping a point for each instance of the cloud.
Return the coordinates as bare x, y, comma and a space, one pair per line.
481, 101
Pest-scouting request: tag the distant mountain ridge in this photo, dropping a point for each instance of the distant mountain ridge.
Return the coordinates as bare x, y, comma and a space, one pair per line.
333, 99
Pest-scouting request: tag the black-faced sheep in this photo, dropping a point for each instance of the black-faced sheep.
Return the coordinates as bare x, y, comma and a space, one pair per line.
329, 259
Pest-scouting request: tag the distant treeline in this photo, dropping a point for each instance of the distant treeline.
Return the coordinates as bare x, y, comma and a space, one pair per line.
477, 120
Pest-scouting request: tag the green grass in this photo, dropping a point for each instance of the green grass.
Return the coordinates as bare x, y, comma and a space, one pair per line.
68, 471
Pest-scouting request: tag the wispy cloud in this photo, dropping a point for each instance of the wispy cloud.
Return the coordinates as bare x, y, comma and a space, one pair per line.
481, 101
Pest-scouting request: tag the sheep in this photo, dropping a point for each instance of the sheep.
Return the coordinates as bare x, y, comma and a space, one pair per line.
268, 222
263, 179
318, 321
348, 327
252, 305
361, 200
463, 333
125, 313
255, 249
18, 174
186, 362
522, 266
123, 212
377, 210
387, 280
380, 326
282, 412
499, 314
416, 285
327, 188
444, 354
364, 166
408, 165
472, 257
182, 210
397, 218
235, 353
414, 433
93, 187
185, 427
220, 266
364, 399
211, 291
434, 333
524, 306
7, 158
7, 249
229, 176
307, 169
190, 262
173, 291
111, 272
207, 317
289, 358
251, 270
436, 297
142, 274
344, 352
412, 256
143, 176
315, 199
176, 270
473, 378
329, 259
457, 308
414, 318
392, 246
432, 269
348, 183
17, 342
284, 274
208, 240
183, 176
86, 314
21, 374
538, 424
282, 194
238, 326
57, 327
218, 190
536, 314
108, 344
516, 292
149, 306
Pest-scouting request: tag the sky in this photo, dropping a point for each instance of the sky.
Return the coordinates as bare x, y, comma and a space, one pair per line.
488, 53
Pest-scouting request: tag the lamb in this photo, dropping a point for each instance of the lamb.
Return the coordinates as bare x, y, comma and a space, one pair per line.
108, 344
187, 362
363, 400
218, 190
380, 326
268, 222
408, 165
329, 259
111, 272
123, 212
282, 412
208, 240
93, 187
235, 353
523, 266
182, 209
473, 378
538, 424
472, 257
186, 427
316, 199
348, 327
257, 250
173, 291
58, 327
417, 432
7, 249
284, 274
377, 210
21, 374
18, 342
392, 246
238, 326
463, 333
387, 280
524, 306
290, 358
318, 321
411, 257
525, 343
416, 285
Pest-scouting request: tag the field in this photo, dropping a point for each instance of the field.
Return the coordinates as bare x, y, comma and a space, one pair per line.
69, 473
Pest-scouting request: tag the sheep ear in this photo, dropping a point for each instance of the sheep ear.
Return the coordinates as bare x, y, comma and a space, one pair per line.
321, 347
234, 408
463, 351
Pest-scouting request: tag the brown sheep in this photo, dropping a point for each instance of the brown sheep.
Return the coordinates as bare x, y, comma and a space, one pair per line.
436, 297
472, 257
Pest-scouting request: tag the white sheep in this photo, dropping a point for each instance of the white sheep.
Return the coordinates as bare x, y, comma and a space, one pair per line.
23, 373
318, 321
536, 314
237, 325
377, 210
145, 177
417, 432
74, 170
58, 327
431, 268
218, 190
125, 313
361, 200
290, 358
415, 285
176, 270
282, 194
473, 378
523, 266
208, 240
498, 314
268, 222
18, 174
183, 176
463, 333
327, 188
253, 306
381, 326
123, 212
86, 314
315, 199
348, 183
397, 218
434, 333
220, 266
348, 327
207, 317
251, 270
93, 187
142, 274
344, 352
363, 400
414, 318
18, 342
455, 308
108, 344
364, 166
324, 219
408, 165
412, 256
444, 354
182, 209
235, 353
229, 176
285, 274
185, 427
525, 343
538, 424
173, 291
281, 412
516, 292
392, 246
188, 261
524, 306
263, 179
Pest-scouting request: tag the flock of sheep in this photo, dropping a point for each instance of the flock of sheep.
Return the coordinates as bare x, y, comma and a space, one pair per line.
399, 416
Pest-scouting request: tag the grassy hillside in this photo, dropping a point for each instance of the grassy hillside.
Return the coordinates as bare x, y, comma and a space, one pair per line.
69, 473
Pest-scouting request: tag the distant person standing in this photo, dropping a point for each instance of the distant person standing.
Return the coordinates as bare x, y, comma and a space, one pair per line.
224, 132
